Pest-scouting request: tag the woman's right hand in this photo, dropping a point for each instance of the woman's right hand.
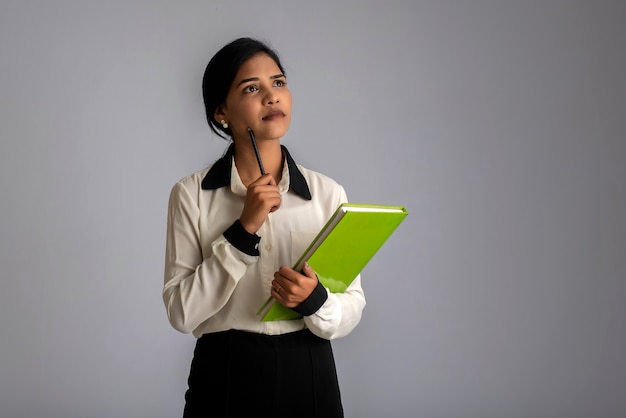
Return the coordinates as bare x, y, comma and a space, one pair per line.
262, 198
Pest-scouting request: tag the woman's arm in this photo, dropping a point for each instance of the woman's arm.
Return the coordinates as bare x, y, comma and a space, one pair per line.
196, 287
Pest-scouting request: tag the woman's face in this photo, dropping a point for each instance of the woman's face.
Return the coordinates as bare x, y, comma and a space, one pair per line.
258, 99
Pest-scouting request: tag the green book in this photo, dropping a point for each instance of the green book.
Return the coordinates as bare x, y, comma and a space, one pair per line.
343, 247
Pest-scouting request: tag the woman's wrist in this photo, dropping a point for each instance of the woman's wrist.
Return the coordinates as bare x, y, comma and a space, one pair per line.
314, 302
241, 239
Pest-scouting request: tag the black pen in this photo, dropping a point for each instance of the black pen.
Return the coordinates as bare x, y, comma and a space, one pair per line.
256, 151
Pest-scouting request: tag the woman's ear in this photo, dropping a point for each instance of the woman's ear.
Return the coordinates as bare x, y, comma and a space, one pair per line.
219, 113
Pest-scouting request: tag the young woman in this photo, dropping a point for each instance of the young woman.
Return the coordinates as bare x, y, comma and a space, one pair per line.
232, 235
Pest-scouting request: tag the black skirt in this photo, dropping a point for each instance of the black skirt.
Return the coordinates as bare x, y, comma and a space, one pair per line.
243, 374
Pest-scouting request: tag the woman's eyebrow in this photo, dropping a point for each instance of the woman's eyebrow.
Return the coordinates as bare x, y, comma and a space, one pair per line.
247, 80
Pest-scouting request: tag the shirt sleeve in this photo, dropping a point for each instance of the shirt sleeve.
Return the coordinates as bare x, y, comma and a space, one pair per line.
195, 288
341, 312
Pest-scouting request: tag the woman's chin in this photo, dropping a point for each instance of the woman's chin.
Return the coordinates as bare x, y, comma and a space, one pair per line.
272, 131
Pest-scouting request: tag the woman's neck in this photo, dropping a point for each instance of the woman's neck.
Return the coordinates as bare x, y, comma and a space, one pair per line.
247, 164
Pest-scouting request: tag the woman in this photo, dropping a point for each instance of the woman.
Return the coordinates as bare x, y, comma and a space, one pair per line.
232, 234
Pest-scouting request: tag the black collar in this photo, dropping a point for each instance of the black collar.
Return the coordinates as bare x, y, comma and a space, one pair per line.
219, 174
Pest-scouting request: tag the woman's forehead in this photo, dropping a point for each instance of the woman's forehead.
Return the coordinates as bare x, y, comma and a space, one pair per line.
259, 64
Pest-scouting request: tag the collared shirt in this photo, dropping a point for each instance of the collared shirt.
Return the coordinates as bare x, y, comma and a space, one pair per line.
216, 280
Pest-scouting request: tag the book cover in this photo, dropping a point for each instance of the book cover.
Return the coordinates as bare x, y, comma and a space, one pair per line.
342, 249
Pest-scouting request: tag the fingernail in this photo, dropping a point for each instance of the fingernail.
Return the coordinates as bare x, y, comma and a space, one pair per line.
306, 266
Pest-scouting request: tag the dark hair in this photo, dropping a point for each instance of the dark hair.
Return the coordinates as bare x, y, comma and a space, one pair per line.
221, 71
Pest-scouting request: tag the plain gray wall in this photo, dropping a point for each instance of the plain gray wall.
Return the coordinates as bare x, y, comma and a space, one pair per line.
500, 125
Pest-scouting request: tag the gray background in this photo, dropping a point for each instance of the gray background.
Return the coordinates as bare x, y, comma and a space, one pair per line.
500, 125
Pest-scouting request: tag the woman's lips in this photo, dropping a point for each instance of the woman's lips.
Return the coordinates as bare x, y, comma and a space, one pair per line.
274, 114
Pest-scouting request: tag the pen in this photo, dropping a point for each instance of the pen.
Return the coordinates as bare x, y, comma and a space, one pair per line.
256, 151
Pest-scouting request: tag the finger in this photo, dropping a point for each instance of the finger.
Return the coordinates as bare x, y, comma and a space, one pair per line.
308, 271
272, 198
280, 282
265, 193
263, 198
286, 275
279, 291
275, 207
273, 202
276, 295
264, 180
263, 189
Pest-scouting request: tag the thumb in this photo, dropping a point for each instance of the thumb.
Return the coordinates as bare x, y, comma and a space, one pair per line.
308, 271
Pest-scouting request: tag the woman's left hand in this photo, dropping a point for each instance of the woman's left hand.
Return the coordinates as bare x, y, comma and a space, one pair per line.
291, 288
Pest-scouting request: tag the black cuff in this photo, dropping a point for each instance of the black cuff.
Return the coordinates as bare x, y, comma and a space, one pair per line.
315, 301
241, 239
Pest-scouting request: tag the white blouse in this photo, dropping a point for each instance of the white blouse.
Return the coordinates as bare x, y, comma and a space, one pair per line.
213, 284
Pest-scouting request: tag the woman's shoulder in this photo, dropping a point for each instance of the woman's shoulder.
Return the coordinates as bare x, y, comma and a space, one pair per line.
313, 176
323, 185
191, 183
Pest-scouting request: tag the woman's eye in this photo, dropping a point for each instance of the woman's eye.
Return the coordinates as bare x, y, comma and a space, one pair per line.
280, 83
250, 89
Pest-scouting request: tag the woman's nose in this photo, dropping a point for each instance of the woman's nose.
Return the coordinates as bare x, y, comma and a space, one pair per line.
271, 98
